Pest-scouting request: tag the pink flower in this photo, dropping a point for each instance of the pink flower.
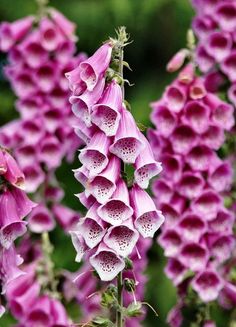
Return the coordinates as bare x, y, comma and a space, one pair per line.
207, 284
147, 219
107, 263
117, 209
177, 61
127, 143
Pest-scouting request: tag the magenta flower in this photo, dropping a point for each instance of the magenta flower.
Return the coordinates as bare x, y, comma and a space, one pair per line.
107, 262
208, 285
197, 234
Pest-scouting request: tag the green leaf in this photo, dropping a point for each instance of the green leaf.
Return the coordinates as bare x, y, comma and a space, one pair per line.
134, 309
103, 322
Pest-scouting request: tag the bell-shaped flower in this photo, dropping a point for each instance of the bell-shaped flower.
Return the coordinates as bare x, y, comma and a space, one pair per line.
40, 220
223, 116
221, 177
106, 113
46, 77
82, 104
103, 185
66, 217
79, 245
191, 185
196, 115
35, 55
207, 204
173, 166
122, 239
175, 270
219, 45
222, 247
207, 284
147, 218
91, 227
20, 305
83, 132
192, 227
11, 225
117, 209
223, 222
175, 97
162, 190
107, 263
34, 177
65, 25
13, 175
127, 142
95, 66
58, 313
226, 15
81, 174
175, 317
86, 200
39, 312
50, 34
194, 256
177, 61
32, 131
213, 137
164, 118
146, 166
204, 60
171, 241
14, 32
183, 139
50, 152
9, 262
197, 89
186, 75
200, 156
23, 204
95, 155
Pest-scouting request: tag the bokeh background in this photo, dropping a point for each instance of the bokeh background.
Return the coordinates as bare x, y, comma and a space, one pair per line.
158, 29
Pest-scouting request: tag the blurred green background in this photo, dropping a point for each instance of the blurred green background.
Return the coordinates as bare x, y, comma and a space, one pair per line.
158, 29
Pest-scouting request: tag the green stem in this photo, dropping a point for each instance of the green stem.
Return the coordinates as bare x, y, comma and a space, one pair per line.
119, 315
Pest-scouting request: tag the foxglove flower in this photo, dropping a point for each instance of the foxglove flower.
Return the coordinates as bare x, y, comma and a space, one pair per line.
39, 54
116, 221
197, 234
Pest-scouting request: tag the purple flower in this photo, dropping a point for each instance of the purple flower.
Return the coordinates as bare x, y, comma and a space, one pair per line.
208, 285
107, 263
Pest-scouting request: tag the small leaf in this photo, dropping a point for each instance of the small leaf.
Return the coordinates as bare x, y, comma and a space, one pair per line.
134, 309
129, 284
141, 127
126, 64
103, 322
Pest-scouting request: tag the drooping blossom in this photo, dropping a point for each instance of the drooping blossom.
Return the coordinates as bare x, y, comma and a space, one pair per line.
214, 26
39, 53
14, 206
83, 286
29, 305
197, 235
116, 221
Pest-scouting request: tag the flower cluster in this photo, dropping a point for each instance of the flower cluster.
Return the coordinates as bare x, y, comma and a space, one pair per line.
39, 53
14, 206
29, 306
83, 285
214, 26
197, 236
116, 216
